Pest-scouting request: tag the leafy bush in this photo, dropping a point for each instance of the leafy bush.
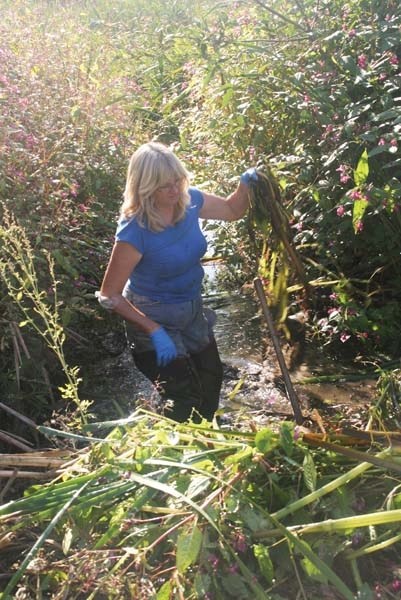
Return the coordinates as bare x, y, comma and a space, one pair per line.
310, 89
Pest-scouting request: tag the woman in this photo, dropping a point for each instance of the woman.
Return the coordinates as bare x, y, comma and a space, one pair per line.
154, 276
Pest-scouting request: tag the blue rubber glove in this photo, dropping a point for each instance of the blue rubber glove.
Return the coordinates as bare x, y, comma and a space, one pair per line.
164, 347
249, 175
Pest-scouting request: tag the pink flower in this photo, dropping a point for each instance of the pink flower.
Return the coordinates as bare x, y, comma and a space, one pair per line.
340, 211
352, 33
394, 60
381, 142
344, 176
359, 226
393, 142
362, 61
74, 189
355, 194
344, 337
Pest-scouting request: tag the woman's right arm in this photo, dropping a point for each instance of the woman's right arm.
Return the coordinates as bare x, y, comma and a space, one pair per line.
124, 258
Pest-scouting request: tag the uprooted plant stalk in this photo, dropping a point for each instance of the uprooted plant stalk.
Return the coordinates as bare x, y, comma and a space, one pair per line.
194, 507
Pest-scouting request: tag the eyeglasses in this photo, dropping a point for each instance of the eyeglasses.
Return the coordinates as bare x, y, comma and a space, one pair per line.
167, 187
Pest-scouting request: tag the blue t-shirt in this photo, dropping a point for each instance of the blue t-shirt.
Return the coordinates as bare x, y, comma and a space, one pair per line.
169, 270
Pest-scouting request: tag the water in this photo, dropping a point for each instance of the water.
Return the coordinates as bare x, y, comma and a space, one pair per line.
238, 325
248, 357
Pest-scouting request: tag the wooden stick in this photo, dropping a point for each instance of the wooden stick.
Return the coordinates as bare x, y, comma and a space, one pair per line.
8, 486
19, 416
27, 474
11, 440
287, 381
30, 460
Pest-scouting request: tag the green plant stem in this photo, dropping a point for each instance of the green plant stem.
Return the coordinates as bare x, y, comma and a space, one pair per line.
353, 554
326, 489
38, 544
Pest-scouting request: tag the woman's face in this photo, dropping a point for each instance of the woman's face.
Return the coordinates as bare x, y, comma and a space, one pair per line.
169, 192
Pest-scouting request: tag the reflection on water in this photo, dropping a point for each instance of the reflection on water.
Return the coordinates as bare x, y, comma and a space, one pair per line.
237, 328
242, 335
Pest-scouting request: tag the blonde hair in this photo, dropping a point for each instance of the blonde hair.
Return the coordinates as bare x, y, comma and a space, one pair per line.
151, 166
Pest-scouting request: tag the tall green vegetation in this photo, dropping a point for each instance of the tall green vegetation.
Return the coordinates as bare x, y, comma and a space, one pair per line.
164, 511
309, 88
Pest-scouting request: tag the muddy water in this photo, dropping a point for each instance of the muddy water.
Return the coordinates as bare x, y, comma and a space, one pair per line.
252, 377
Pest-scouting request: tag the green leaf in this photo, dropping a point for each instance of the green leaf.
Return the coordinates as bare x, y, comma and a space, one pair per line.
362, 169
239, 456
188, 546
310, 474
266, 440
358, 211
287, 437
235, 586
313, 571
365, 593
262, 555
165, 591
252, 519
227, 97
202, 584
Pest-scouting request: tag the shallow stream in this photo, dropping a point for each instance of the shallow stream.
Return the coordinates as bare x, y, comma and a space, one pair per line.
252, 378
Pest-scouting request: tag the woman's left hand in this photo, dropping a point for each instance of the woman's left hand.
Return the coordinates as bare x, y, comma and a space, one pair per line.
164, 346
249, 175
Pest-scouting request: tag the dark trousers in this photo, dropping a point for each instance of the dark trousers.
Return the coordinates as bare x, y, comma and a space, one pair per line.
192, 384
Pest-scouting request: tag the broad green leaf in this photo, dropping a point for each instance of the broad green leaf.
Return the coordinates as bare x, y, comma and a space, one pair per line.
378, 150
239, 456
310, 474
262, 555
266, 440
313, 571
188, 546
165, 591
362, 169
252, 519
358, 211
366, 593
235, 586
202, 583
227, 97
287, 437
